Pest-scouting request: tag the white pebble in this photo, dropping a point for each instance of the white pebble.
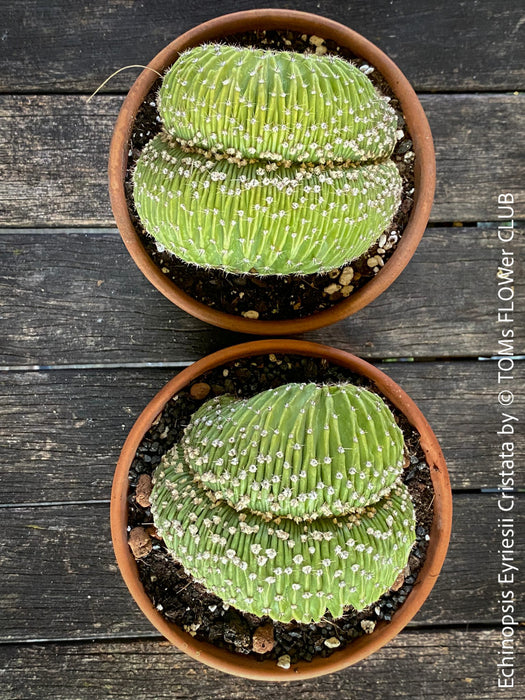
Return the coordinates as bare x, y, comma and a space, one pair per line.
284, 661
368, 626
332, 288
346, 275
332, 642
366, 69
399, 134
382, 240
251, 313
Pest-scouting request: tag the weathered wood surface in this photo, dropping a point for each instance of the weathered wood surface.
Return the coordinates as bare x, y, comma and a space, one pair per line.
60, 580
424, 664
61, 432
53, 156
60, 46
70, 297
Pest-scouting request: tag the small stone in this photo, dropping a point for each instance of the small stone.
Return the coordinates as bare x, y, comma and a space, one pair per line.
284, 661
334, 274
251, 313
381, 251
346, 276
332, 642
368, 626
139, 542
346, 291
143, 491
366, 69
400, 580
332, 288
165, 270
316, 40
373, 261
320, 50
272, 357
263, 639
200, 390
382, 240
400, 134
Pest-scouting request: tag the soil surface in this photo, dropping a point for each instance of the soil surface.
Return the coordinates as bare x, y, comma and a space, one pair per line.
203, 614
275, 297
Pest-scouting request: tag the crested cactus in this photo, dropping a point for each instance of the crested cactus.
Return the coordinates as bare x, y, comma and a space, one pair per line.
269, 162
289, 220
275, 105
290, 502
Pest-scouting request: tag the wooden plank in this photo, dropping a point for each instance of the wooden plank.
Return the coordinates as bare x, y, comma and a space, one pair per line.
53, 157
77, 297
450, 664
469, 176
440, 46
60, 579
61, 432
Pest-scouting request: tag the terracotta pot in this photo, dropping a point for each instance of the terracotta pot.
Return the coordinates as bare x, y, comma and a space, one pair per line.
365, 645
417, 124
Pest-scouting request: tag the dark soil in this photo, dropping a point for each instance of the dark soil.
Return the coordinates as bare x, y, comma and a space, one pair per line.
284, 297
189, 604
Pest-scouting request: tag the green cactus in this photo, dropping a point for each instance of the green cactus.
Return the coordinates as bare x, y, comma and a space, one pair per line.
275, 105
289, 220
272, 163
290, 502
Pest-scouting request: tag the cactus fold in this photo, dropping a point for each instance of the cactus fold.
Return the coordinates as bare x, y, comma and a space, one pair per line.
275, 105
269, 162
287, 220
290, 502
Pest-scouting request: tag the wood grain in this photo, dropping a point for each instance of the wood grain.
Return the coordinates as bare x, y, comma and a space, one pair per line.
60, 579
450, 664
69, 297
53, 157
438, 45
69, 426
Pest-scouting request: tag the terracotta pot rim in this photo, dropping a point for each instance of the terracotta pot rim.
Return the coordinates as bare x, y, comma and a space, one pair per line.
417, 124
268, 670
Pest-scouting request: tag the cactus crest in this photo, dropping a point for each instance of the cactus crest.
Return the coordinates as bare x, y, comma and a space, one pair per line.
270, 162
290, 502
275, 105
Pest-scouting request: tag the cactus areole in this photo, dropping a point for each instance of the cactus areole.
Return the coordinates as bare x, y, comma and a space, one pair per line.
289, 503
269, 162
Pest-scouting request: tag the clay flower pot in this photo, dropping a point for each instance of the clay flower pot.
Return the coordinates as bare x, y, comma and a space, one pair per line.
363, 646
310, 24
